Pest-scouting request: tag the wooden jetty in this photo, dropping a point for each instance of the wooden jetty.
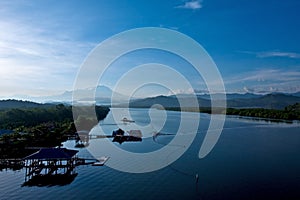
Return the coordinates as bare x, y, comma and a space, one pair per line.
12, 163
101, 161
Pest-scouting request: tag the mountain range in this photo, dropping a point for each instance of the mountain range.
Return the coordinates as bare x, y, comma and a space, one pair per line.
12, 103
103, 96
269, 101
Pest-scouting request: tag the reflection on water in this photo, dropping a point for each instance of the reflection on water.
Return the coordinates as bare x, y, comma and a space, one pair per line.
259, 119
51, 180
126, 138
252, 160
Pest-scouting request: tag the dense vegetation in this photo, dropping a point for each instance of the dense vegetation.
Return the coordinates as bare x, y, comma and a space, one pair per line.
13, 103
42, 127
28, 117
291, 112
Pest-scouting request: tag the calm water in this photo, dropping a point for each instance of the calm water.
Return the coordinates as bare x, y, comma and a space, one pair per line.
252, 160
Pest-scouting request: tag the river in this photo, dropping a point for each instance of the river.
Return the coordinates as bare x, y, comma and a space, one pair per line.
253, 159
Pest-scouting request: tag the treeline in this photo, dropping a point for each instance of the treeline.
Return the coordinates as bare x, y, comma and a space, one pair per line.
265, 113
24, 140
200, 109
13, 103
291, 112
293, 108
43, 127
28, 117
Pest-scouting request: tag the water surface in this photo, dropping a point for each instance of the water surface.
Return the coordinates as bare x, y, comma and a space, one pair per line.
252, 160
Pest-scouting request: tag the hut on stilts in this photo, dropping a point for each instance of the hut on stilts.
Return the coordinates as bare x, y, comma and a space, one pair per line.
50, 166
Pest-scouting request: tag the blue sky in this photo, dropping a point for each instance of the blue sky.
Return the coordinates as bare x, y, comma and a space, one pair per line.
255, 44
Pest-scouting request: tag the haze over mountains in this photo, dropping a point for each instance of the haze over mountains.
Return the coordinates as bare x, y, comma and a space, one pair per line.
103, 96
269, 101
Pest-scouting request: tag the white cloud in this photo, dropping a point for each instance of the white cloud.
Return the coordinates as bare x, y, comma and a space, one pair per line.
182, 91
270, 88
268, 54
193, 5
266, 81
33, 57
278, 54
275, 75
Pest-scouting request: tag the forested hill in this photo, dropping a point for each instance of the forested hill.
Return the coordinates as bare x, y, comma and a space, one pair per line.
29, 117
43, 127
12, 103
269, 101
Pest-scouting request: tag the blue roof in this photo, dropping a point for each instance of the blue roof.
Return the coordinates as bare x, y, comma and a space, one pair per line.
52, 153
5, 131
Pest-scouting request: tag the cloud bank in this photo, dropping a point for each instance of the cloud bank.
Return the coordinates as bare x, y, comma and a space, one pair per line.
192, 5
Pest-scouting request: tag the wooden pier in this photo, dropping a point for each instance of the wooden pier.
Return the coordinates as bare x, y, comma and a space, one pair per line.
13, 163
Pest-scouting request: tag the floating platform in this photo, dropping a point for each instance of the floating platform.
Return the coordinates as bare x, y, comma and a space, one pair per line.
101, 161
126, 138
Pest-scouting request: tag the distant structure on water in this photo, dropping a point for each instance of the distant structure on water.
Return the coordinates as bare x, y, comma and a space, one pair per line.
125, 120
133, 136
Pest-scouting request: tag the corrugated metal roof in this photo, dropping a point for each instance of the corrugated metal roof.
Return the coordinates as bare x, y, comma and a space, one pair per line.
52, 153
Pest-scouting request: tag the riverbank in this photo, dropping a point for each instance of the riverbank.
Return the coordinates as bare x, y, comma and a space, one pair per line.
290, 113
40, 127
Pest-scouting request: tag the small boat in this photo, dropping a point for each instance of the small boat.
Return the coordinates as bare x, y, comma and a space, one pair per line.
101, 161
127, 120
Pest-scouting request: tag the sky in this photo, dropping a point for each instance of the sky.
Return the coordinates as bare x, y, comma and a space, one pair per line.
255, 44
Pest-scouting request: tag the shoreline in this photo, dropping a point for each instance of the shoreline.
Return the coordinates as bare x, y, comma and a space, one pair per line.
254, 113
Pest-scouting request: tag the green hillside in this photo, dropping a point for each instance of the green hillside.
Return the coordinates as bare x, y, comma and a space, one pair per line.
12, 103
